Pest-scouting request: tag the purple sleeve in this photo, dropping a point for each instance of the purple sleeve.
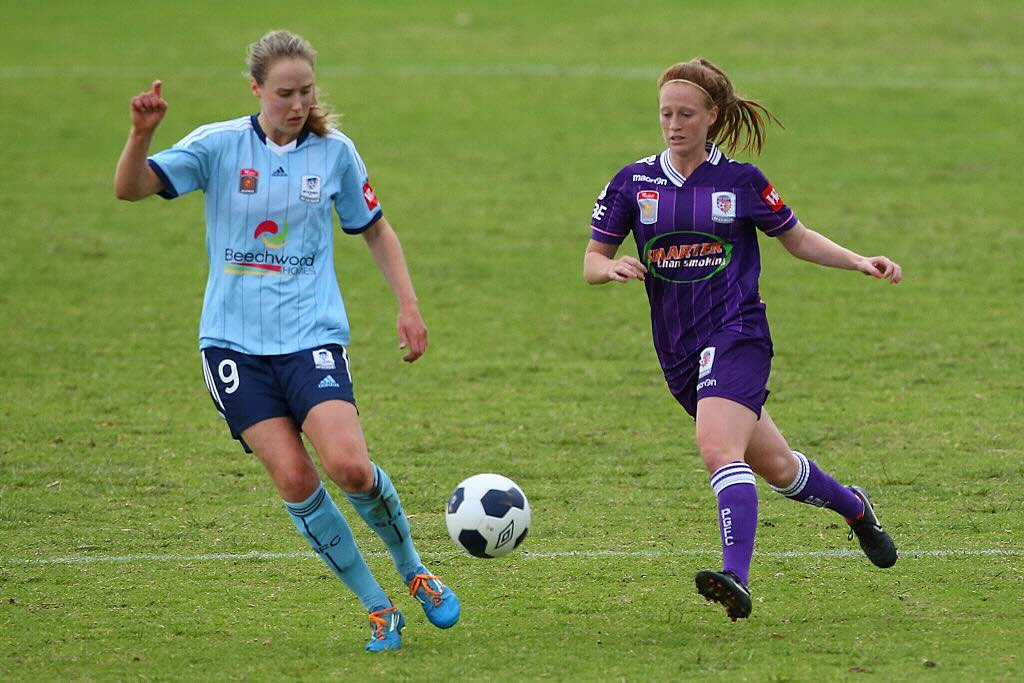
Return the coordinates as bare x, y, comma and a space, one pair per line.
767, 210
613, 214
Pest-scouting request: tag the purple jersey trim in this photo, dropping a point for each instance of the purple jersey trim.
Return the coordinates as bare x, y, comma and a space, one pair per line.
599, 235
783, 227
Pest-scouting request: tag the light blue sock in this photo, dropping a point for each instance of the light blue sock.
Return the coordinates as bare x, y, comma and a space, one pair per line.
319, 520
383, 513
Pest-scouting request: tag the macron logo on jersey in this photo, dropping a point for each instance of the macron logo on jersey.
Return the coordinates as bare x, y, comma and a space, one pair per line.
639, 178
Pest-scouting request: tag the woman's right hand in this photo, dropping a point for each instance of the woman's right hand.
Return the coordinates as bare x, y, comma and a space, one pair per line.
148, 109
625, 268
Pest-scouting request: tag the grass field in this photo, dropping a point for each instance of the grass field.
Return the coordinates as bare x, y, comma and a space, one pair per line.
138, 542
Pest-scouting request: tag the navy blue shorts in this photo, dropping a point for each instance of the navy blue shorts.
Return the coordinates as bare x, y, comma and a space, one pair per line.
731, 367
247, 389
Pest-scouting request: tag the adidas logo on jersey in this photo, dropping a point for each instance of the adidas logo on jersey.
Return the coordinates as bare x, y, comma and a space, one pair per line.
279, 173
328, 381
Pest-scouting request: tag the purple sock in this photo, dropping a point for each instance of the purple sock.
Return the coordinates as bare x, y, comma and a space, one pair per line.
815, 487
737, 516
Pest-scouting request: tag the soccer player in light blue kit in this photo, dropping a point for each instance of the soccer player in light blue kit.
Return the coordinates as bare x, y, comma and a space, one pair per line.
273, 330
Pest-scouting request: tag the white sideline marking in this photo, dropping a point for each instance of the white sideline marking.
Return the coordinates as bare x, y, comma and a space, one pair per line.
526, 555
892, 76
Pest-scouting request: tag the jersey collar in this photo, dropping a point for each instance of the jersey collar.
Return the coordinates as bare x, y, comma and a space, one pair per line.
255, 119
714, 157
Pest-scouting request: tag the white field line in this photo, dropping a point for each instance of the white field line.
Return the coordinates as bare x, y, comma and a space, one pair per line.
524, 555
1006, 76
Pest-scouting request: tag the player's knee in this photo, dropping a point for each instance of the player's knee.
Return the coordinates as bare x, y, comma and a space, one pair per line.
354, 475
715, 451
778, 469
296, 483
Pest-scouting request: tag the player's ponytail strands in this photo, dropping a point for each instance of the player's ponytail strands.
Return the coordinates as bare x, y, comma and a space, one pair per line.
739, 119
277, 44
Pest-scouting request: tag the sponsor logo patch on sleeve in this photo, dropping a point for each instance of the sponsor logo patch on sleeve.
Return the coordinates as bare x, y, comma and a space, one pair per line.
771, 198
369, 196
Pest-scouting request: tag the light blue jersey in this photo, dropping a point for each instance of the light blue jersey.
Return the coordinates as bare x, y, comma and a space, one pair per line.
272, 288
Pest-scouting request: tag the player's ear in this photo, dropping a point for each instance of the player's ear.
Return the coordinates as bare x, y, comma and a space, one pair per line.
255, 88
714, 114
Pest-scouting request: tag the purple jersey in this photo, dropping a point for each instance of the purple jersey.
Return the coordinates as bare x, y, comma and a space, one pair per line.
697, 237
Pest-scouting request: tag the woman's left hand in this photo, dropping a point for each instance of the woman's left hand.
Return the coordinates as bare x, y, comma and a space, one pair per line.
412, 333
881, 267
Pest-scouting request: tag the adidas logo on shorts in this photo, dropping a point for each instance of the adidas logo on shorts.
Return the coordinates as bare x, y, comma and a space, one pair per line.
328, 381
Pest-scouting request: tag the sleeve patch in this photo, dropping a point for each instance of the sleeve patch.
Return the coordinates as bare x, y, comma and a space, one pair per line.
771, 198
369, 196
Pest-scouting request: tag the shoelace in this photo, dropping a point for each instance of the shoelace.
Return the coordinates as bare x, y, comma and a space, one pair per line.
423, 581
380, 623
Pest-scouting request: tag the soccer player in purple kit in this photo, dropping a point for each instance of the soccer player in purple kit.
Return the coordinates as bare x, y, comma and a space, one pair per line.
694, 215
273, 331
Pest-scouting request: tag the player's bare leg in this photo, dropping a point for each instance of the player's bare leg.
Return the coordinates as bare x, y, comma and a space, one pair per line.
334, 429
796, 476
724, 429
278, 445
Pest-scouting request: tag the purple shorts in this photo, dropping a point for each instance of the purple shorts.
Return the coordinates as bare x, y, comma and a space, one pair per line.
731, 367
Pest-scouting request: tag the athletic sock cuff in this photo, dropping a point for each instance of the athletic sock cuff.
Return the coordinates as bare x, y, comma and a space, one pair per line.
730, 475
310, 505
802, 473
374, 491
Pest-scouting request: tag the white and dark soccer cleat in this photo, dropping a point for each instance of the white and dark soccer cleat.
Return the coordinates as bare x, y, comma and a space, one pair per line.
874, 541
727, 589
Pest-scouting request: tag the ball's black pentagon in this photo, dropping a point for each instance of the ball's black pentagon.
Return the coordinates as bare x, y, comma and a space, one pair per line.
497, 503
521, 537
456, 500
472, 541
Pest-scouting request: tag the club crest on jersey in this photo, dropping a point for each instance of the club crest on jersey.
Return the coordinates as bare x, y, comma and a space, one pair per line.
647, 200
310, 189
248, 180
723, 207
707, 360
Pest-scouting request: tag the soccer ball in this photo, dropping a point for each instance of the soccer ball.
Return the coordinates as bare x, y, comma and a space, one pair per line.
488, 515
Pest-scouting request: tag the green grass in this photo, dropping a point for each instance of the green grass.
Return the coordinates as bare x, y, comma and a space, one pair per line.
488, 130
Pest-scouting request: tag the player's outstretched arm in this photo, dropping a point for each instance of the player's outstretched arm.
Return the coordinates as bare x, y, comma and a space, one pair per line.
134, 178
806, 244
601, 266
387, 252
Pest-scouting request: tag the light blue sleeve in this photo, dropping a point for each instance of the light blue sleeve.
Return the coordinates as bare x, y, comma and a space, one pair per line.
356, 203
185, 167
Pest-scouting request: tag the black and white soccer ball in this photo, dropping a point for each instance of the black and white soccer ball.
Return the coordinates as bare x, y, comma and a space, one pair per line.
488, 515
